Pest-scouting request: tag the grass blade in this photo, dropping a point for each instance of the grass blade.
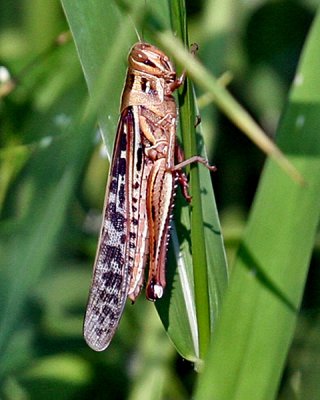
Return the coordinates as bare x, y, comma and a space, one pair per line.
260, 310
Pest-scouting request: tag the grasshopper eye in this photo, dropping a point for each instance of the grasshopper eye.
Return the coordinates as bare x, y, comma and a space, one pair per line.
149, 63
141, 56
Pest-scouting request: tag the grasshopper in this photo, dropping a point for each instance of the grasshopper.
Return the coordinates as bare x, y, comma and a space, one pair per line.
139, 195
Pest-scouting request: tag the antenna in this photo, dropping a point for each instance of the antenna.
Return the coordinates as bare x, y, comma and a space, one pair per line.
135, 28
140, 38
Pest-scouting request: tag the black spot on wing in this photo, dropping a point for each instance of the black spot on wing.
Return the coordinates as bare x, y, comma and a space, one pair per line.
123, 142
117, 218
121, 195
139, 159
111, 254
122, 164
113, 186
118, 221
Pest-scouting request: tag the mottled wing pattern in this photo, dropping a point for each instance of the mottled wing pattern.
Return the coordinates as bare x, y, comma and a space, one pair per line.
118, 237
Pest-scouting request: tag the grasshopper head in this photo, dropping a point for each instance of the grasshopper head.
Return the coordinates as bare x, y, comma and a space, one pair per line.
147, 58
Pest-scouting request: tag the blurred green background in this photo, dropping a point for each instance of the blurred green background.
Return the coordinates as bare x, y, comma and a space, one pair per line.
51, 198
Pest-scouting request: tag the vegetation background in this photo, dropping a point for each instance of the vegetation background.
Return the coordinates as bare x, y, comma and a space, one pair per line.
52, 181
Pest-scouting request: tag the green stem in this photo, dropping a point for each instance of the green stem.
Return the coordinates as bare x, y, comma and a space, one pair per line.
198, 249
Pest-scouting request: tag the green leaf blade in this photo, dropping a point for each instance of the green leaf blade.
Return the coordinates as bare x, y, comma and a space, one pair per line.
260, 310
